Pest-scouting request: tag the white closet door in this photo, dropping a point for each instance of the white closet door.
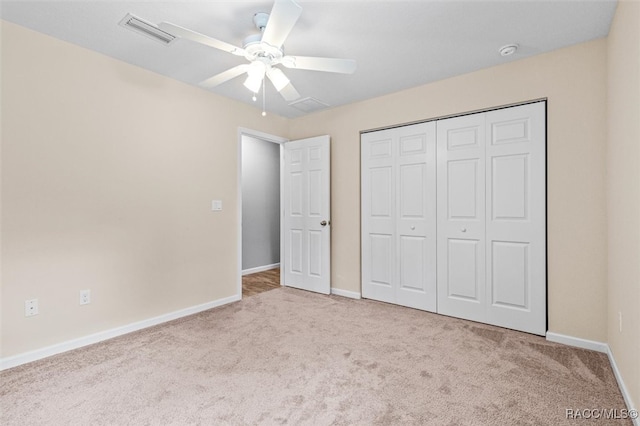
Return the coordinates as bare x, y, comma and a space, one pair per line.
516, 259
491, 218
416, 223
398, 216
378, 215
489, 211
461, 217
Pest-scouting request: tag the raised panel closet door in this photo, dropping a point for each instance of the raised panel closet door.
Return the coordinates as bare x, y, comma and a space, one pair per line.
461, 217
516, 243
416, 223
378, 216
398, 216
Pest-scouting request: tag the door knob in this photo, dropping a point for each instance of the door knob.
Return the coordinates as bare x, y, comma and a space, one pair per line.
323, 223
413, 227
464, 229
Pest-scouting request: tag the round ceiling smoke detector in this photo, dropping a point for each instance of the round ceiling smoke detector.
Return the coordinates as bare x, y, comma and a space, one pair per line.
509, 49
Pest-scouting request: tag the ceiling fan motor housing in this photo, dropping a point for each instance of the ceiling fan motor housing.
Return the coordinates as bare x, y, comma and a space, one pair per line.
256, 49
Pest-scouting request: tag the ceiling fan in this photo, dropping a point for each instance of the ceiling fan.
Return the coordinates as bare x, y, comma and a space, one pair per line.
264, 52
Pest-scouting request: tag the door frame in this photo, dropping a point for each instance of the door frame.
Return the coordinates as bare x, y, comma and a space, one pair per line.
242, 131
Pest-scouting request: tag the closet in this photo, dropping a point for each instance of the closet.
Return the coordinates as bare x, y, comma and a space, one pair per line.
454, 216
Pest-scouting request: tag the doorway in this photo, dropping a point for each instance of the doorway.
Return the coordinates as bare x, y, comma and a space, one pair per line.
304, 186
260, 212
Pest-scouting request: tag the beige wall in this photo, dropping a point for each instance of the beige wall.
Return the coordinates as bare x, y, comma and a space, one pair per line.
573, 79
623, 190
108, 172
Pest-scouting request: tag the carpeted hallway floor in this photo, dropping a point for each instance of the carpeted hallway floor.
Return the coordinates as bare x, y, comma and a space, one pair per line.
291, 357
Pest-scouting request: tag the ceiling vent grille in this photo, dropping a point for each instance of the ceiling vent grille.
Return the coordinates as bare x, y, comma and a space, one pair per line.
308, 105
147, 29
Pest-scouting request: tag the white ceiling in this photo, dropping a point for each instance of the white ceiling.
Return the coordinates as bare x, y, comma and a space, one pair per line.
397, 44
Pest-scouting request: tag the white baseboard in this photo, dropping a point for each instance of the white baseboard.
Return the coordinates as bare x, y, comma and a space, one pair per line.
599, 347
346, 293
621, 385
15, 360
260, 269
577, 342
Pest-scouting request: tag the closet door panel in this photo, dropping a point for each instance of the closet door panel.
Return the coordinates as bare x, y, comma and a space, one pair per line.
463, 270
381, 260
509, 270
416, 225
412, 255
510, 187
378, 216
399, 216
516, 240
461, 217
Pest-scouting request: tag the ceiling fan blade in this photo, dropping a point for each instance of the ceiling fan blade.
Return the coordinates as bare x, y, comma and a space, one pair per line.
224, 76
343, 66
277, 77
200, 38
289, 93
283, 17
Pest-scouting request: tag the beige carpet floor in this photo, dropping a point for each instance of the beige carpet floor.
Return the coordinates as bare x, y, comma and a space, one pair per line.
292, 357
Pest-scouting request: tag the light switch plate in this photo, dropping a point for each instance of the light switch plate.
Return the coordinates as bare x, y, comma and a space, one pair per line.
216, 205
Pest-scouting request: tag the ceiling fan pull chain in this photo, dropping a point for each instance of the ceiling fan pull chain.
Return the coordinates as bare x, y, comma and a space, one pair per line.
264, 100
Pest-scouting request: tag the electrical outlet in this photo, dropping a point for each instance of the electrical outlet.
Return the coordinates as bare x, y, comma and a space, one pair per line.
85, 297
620, 320
30, 307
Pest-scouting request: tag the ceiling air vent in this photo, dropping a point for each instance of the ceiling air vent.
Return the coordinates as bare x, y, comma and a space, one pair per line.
147, 29
308, 105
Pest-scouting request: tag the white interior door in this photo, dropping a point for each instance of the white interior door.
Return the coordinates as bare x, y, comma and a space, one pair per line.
461, 217
398, 216
307, 221
516, 222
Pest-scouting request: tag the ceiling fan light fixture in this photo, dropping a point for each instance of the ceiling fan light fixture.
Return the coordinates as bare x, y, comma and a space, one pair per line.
255, 74
253, 83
